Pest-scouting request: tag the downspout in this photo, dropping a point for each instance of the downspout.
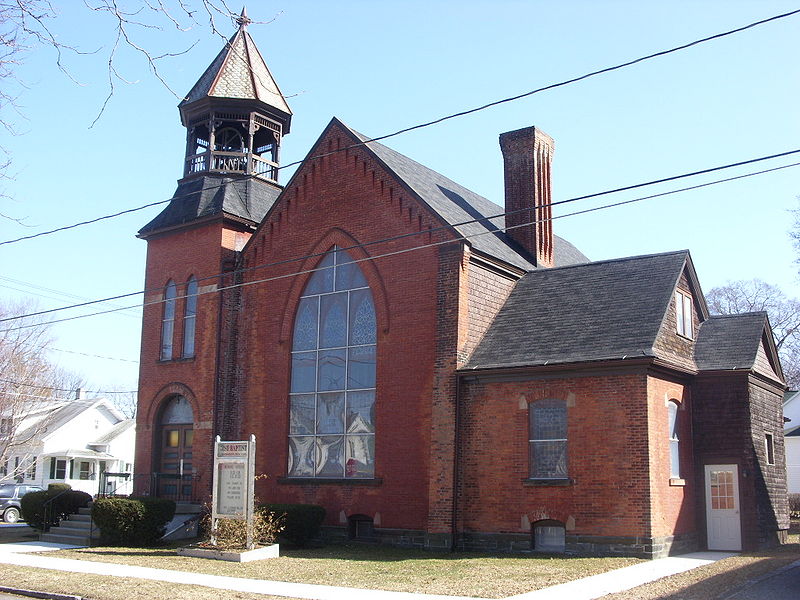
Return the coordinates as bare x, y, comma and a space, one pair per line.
456, 464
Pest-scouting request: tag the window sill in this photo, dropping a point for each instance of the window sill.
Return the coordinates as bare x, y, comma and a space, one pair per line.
180, 359
326, 481
677, 482
532, 482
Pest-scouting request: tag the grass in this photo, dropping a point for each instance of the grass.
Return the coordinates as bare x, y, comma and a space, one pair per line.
379, 567
715, 581
98, 587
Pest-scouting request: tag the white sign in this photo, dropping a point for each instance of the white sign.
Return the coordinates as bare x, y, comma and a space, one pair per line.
234, 483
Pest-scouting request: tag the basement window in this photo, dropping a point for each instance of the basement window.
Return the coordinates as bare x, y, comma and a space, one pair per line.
549, 536
361, 528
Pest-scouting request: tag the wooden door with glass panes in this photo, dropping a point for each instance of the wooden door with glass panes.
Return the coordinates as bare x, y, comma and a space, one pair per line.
176, 461
723, 518
175, 464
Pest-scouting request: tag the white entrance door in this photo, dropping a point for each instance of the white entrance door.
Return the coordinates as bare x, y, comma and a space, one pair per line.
722, 507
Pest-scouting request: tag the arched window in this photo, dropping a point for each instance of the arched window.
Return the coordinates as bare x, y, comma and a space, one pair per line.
168, 321
674, 441
332, 393
547, 444
189, 317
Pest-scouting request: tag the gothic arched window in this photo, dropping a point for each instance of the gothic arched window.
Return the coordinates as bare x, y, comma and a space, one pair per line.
189, 317
674, 441
168, 321
332, 393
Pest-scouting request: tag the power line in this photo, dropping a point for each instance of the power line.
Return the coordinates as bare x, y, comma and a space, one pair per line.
420, 247
439, 120
485, 219
55, 389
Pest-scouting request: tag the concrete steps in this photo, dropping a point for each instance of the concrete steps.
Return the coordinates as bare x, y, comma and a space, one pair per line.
77, 530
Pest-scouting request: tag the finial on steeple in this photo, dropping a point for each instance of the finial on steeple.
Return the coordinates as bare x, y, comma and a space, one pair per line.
243, 20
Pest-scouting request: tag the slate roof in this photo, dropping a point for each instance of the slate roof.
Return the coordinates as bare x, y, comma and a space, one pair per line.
793, 432
597, 311
239, 71
457, 205
204, 196
727, 342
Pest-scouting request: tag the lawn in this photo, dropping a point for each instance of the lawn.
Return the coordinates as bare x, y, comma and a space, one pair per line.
380, 567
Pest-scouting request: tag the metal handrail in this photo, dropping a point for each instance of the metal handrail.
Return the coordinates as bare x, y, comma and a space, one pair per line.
47, 505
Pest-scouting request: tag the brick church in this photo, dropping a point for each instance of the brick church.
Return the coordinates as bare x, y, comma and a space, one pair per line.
434, 369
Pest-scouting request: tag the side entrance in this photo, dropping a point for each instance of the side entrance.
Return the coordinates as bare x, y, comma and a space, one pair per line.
723, 518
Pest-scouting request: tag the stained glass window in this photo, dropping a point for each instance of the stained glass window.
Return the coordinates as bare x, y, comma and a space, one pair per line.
547, 444
332, 392
168, 321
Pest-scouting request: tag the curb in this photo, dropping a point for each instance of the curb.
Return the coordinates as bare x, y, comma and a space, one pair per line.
44, 595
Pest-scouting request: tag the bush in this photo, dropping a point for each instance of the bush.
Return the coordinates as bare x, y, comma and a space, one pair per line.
65, 502
231, 534
132, 521
794, 506
301, 522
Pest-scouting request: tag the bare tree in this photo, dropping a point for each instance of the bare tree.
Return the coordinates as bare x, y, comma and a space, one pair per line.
784, 316
30, 388
31, 25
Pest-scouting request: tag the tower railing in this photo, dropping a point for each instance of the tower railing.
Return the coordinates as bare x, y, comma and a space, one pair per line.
218, 161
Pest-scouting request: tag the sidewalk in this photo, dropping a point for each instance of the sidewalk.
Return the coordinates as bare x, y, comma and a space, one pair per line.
33, 554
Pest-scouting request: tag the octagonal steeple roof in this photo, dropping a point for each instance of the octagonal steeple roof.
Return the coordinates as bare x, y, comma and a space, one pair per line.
239, 72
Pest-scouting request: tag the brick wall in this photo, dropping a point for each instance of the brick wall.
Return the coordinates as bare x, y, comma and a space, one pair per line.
608, 457
347, 199
200, 251
673, 499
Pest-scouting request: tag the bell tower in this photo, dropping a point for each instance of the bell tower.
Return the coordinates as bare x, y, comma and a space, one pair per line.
235, 118
235, 115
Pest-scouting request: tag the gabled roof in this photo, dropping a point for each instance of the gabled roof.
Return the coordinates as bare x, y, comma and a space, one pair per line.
460, 207
732, 342
598, 311
246, 200
114, 432
239, 71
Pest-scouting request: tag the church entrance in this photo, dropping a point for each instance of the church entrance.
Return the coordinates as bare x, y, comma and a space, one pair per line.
174, 472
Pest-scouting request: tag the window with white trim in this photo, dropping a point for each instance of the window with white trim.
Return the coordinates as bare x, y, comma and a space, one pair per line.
547, 443
684, 314
332, 390
674, 442
168, 320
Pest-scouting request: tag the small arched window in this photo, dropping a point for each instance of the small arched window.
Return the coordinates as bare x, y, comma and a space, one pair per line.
332, 393
674, 441
168, 321
189, 317
547, 444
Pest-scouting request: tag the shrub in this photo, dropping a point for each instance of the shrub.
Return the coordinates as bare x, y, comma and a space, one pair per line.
231, 534
132, 521
301, 523
794, 506
64, 502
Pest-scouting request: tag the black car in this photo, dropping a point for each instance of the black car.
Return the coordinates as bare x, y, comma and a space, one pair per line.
10, 495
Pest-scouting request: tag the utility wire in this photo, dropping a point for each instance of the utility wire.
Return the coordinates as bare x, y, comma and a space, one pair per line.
440, 119
482, 220
413, 248
55, 389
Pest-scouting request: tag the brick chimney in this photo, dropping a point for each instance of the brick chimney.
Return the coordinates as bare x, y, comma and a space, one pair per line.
527, 156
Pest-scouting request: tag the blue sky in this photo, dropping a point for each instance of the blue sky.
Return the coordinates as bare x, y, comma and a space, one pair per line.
382, 66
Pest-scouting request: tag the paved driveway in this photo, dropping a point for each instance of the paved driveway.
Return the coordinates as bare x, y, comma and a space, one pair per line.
782, 584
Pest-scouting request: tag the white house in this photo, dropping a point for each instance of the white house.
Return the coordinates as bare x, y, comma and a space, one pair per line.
791, 432
88, 444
